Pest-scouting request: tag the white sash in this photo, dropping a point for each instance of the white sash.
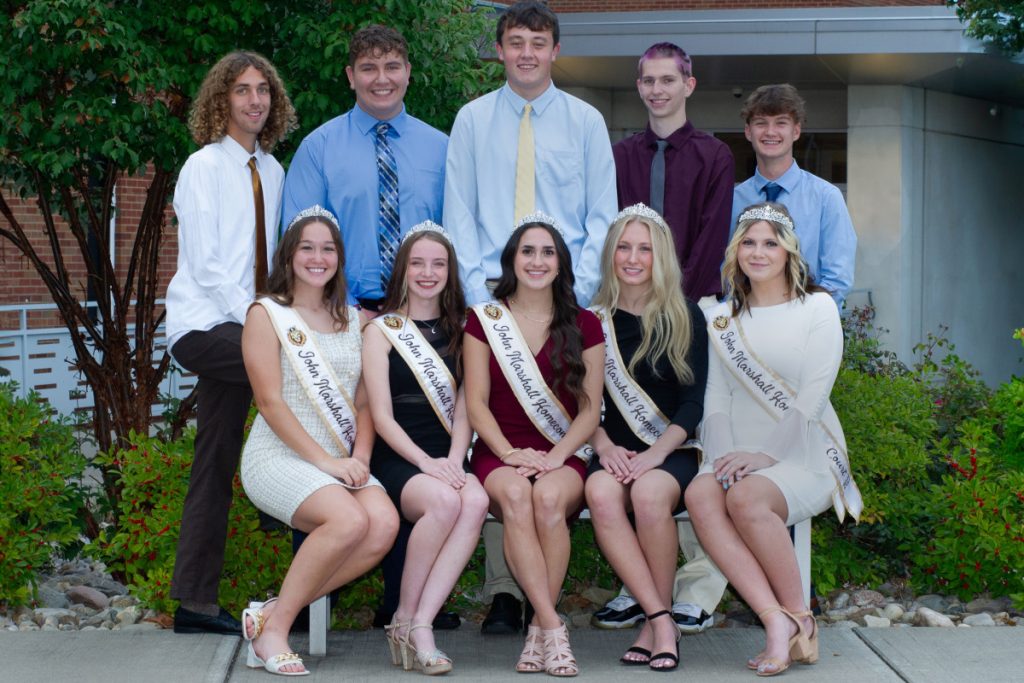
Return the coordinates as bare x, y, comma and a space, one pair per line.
776, 398
315, 375
426, 364
520, 369
642, 415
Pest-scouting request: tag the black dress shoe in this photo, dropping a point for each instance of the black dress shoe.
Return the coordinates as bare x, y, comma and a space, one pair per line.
447, 621
505, 617
187, 621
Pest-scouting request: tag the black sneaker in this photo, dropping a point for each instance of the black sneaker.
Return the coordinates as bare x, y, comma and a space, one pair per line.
691, 619
621, 612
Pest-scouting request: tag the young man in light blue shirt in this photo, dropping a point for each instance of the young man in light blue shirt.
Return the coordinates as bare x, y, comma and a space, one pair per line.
574, 182
336, 166
574, 168
773, 116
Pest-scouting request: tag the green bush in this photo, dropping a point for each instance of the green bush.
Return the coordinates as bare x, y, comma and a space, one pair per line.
975, 542
140, 549
41, 497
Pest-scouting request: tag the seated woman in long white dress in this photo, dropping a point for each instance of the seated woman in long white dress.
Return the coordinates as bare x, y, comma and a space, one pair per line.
306, 461
774, 452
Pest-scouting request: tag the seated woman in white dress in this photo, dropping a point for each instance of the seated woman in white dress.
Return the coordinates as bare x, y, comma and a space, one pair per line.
306, 461
656, 351
412, 371
774, 452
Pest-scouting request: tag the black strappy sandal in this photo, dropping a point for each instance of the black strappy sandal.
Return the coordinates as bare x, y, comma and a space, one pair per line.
672, 656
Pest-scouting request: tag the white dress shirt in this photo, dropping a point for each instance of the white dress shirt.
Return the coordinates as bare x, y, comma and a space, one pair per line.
213, 201
574, 176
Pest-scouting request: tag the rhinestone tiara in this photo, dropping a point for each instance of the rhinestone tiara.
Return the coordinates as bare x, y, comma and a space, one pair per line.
428, 226
539, 217
764, 212
315, 211
641, 210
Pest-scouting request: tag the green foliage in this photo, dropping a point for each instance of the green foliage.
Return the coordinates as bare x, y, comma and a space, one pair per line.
140, 549
955, 386
976, 530
41, 498
587, 565
1000, 22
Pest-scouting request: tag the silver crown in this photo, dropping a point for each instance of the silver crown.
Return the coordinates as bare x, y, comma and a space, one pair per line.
763, 212
539, 217
315, 211
427, 226
641, 210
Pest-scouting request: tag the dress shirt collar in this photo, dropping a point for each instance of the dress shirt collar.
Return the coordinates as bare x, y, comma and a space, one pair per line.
366, 123
239, 154
675, 140
787, 181
539, 103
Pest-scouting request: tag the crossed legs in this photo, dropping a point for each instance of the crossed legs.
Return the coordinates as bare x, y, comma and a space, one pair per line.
447, 529
349, 533
744, 531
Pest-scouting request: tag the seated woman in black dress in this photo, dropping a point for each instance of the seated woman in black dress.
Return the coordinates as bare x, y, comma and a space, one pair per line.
655, 370
411, 369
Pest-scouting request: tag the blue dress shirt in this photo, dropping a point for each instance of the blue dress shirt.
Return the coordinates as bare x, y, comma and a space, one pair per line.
574, 175
336, 167
827, 239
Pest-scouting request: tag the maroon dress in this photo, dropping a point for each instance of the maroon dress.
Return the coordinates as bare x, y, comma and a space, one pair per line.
513, 420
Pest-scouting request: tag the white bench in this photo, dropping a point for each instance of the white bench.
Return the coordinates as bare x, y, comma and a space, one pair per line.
320, 609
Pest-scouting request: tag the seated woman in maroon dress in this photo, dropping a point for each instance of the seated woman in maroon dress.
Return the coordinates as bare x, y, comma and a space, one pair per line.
533, 391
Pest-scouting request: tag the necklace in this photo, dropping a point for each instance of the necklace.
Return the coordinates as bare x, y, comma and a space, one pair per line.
433, 327
529, 317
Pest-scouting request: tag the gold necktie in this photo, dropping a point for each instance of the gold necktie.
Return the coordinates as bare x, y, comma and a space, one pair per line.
261, 229
525, 202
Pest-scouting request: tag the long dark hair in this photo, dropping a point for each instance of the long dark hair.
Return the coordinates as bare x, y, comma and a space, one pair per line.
281, 284
567, 340
452, 300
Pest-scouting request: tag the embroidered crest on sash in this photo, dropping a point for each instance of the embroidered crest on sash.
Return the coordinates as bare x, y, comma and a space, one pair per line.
492, 312
721, 322
296, 336
393, 322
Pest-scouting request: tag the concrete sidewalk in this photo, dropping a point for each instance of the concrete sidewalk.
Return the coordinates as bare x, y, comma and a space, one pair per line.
917, 655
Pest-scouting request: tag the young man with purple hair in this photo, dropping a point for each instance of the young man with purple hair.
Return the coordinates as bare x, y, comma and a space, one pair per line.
687, 176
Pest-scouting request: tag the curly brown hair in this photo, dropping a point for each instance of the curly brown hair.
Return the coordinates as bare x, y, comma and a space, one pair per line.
208, 119
376, 40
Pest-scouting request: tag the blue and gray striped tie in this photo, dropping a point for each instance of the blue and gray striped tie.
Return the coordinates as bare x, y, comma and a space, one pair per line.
389, 230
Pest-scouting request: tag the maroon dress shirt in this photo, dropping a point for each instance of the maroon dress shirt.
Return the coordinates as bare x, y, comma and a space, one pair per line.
698, 198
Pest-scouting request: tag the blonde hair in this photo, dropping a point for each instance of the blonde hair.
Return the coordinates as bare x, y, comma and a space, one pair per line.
798, 275
667, 329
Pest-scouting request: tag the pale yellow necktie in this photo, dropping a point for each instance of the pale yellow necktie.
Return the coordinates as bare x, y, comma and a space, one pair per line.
525, 201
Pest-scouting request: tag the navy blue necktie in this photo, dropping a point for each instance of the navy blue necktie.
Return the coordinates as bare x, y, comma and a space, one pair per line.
772, 191
389, 230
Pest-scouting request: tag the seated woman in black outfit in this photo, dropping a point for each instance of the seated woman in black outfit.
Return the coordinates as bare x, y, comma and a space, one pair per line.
412, 368
655, 370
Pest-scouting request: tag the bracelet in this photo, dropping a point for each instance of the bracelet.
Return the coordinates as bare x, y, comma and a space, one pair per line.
508, 453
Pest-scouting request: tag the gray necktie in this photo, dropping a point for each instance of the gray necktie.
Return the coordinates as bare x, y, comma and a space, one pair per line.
658, 178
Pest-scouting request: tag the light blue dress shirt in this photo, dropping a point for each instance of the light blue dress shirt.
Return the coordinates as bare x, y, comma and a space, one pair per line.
574, 173
336, 167
827, 239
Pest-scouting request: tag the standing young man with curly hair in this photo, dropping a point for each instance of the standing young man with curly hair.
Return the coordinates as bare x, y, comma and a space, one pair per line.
227, 202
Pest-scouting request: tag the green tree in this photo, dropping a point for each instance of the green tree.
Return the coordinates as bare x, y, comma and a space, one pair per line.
95, 91
1000, 23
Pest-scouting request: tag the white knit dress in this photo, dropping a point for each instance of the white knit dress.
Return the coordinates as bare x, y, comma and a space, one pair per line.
275, 478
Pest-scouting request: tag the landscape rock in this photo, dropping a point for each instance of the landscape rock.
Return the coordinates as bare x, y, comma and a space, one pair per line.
936, 603
893, 612
47, 596
123, 601
876, 622
929, 617
597, 595
979, 619
867, 598
129, 615
987, 605
839, 602
86, 595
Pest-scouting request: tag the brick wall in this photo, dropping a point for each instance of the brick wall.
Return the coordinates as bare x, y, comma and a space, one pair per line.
21, 283
650, 5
